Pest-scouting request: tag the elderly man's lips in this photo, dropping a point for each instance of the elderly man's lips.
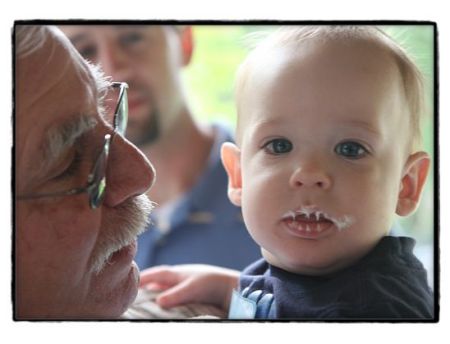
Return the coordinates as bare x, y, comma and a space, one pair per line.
125, 254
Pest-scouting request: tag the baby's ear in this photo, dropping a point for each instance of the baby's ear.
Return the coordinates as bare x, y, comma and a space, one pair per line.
231, 160
414, 175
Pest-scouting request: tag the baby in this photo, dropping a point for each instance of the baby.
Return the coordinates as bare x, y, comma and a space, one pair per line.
326, 154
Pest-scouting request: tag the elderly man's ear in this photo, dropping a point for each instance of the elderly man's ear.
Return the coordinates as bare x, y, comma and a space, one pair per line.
231, 160
413, 180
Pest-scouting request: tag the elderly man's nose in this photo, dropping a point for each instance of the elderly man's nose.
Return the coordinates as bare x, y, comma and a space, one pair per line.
129, 173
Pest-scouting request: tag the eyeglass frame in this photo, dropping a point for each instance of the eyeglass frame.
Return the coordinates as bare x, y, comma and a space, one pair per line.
96, 181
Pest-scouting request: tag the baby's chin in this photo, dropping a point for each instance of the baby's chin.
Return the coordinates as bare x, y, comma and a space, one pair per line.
310, 268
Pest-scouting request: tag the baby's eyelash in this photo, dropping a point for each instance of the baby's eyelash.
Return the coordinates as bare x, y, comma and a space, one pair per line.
351, 149
277, 146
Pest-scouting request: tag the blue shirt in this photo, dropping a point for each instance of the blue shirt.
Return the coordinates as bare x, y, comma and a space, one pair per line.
389, 283
205, 227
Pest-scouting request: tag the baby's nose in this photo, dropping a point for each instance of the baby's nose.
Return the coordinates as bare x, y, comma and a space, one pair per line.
312, 177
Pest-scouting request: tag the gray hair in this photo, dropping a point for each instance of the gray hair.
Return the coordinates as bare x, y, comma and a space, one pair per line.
29, 38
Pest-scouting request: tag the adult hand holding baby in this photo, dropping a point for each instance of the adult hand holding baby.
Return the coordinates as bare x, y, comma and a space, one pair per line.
191, 284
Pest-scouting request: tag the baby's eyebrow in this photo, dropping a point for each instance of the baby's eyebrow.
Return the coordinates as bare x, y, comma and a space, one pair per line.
266, 123
362, 125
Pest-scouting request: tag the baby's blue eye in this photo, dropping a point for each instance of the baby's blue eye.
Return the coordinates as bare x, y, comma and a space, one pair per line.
351, 150
278, 146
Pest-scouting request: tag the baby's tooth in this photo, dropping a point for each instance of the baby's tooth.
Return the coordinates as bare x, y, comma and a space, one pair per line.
291, 215
308, 229
319, 229
317, 216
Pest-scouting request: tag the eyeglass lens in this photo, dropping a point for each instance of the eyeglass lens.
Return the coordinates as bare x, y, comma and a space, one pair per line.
97, 180
98, 176
122, 112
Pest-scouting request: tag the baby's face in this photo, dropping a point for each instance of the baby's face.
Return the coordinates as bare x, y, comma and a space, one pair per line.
324, 143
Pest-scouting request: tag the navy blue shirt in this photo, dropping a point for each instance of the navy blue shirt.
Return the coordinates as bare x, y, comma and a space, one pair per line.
205, 226
388, 283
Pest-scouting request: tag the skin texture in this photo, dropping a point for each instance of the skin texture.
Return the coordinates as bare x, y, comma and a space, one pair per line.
301, 100
56, 239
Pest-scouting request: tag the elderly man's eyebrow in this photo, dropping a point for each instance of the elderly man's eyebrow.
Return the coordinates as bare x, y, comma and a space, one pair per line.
61, 137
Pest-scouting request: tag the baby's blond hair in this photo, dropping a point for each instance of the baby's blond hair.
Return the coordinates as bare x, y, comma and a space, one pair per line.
295, 36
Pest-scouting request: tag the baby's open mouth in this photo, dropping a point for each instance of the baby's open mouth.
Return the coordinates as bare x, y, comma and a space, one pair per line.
312, 222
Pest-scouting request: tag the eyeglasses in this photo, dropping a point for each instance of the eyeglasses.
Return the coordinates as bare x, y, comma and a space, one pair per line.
96, 183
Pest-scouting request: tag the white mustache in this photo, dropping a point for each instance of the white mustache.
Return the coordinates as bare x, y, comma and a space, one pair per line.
130, 220
341, 222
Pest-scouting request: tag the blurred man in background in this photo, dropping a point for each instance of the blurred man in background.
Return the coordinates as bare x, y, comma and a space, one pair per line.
194, 221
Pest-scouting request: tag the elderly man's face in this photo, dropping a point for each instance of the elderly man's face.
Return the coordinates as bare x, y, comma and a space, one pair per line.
72, 261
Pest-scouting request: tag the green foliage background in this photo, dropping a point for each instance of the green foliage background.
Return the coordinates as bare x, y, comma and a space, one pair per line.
220, 49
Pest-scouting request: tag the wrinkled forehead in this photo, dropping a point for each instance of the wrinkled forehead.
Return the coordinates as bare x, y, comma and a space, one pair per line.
53, 86
56, 63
